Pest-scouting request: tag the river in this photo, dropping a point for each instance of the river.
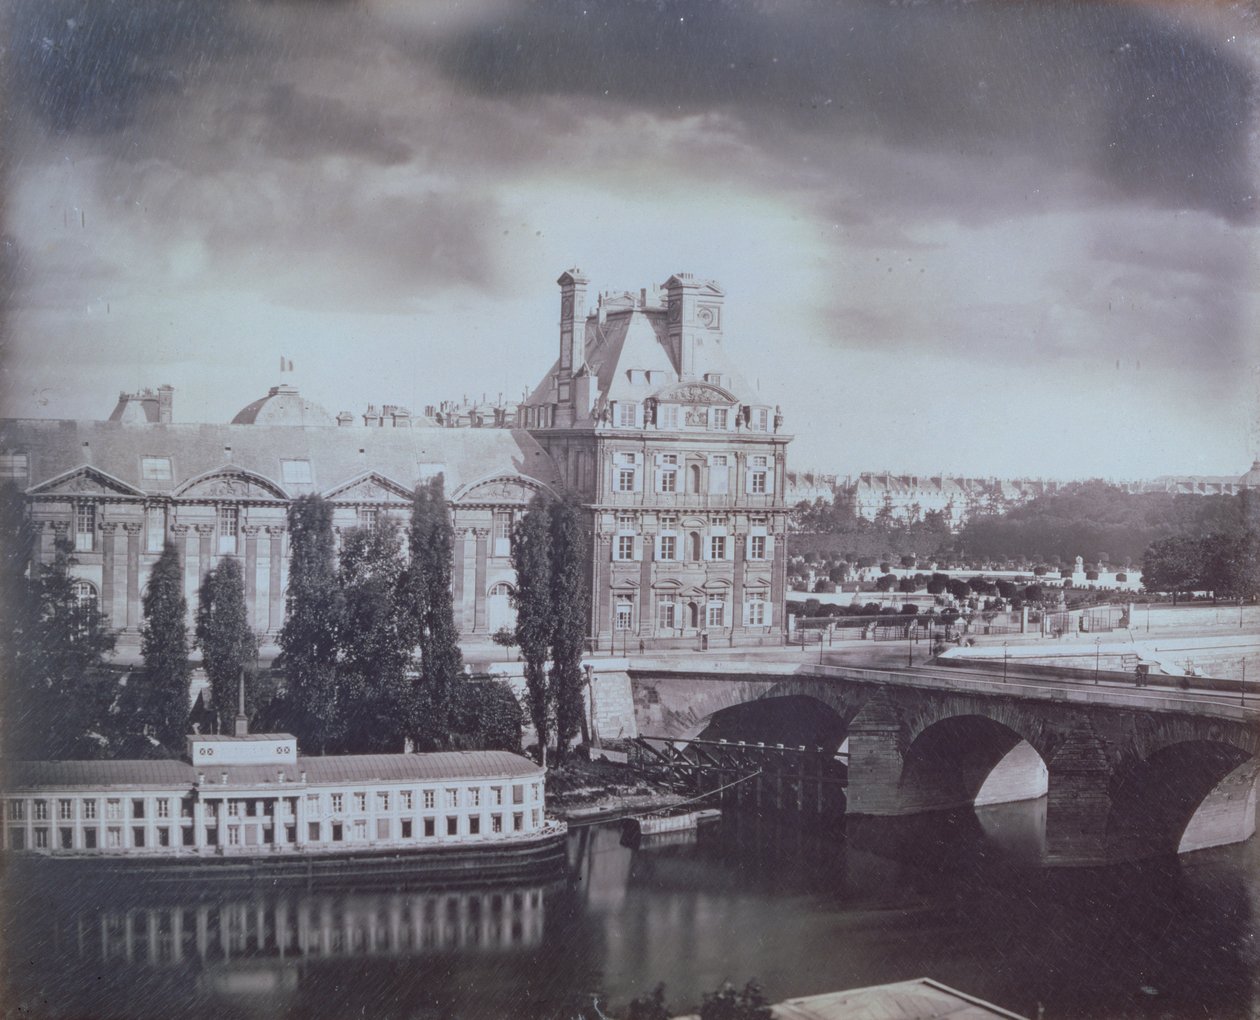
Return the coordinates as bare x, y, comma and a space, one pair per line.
959, 900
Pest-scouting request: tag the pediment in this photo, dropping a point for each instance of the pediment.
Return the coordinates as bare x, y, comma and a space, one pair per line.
231, 483
370, 488
697, 393
85, 481
512, 489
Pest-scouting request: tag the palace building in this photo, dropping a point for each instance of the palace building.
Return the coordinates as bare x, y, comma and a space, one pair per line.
679, 463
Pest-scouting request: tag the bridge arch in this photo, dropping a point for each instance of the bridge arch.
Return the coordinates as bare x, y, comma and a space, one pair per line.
1183, 795
961, 760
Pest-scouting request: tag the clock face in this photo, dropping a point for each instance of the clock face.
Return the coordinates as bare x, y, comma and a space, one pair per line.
566, 306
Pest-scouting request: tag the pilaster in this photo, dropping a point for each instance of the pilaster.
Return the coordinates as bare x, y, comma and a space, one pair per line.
133, 574
275, 585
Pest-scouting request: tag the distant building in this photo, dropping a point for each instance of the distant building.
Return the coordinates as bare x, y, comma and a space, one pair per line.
957, 498
1203, 485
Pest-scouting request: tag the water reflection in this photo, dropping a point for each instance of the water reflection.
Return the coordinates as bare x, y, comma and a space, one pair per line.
955, 897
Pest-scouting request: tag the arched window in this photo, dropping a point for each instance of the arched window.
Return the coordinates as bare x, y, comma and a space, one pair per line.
694, 546
500, 613
693, 478
84, 593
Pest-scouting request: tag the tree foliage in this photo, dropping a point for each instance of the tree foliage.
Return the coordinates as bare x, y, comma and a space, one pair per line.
428, 590
487, 716
570, 608
378, 634
312, 626
163, 701
531, 559
228, 644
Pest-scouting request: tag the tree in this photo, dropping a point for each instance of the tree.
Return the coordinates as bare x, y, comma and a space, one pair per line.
164, 649
1231, 563
1034, 593
227, 642
1173, 565
907, 585
957, 587
1007, 590
937, 583
378, 634
531, 559
487, 716
886, 582
60, 696
428, 585
312, 625
569, 612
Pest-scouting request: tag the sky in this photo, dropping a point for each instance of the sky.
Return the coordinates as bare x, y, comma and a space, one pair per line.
990, 238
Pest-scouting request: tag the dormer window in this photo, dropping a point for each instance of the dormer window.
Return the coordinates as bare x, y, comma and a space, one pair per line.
295, 472
667, 417
155, 469
719, 417
713, 377
627, 414
13, 465
638, 377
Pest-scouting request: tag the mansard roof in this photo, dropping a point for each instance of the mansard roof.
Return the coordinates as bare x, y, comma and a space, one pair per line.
338, 456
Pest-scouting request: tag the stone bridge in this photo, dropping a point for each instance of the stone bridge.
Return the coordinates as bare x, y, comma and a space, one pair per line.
1128, 773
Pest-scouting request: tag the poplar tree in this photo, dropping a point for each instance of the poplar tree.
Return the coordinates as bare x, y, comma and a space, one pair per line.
377, 638
312, 624
164, 649
531, 559
227, 642
569, 607
431, 539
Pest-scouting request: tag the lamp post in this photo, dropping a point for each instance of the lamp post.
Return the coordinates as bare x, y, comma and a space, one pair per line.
1005, 659
1242, 684
1097, 656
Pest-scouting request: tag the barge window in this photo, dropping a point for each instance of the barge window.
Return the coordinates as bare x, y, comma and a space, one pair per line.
452, 825
89, 809
428, 827
67, 839
518, 793
89, 839
41, 810
452, 798
474, 797
496, 795
429, 799
406, 828
496, 823
312, 831
518, 821
360, 801
41, 838
113, 808
164, 807
382, 828
65, 809
137, 808
337, 802
474, 825
408, 800
382, 800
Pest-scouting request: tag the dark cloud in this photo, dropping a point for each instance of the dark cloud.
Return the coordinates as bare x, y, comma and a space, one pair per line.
297, 126
1125, 93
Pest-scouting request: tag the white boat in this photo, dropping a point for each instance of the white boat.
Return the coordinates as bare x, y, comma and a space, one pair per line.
652, 825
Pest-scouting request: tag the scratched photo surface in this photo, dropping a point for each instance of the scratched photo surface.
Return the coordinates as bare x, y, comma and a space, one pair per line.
977, 240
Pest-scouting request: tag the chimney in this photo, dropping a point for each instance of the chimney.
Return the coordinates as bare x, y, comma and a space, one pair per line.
572, 341
166, 403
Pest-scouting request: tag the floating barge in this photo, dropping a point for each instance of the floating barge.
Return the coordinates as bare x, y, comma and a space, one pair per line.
657, 824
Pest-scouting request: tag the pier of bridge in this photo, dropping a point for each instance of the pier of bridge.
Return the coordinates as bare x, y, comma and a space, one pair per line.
1128, 773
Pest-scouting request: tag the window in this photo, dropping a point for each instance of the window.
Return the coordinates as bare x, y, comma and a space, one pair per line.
113, 808
360, 829
337, 803
312, 832
67, 838
518, 821
666, 614
17, 839
65, 809
41, 839
474, 825
234, 835
496, 823
113, 837
502, 534
234, 809
89, 810
627, 414
338, 832
452, 798
406, 828
717, 547
669, 547
719, 474
667, 417
536, 817
756, 547
496, 795
624, 616
163, 807
369, 517
761, 419
360, 801
429, 827
84, 594
758, 469
89, 839
667, 479
84, 527
518, 793
137, 835
626, 472
452, 825
41, 811
229, 520
408, 800
382, 800
474, 797
429, 799
164, 836
625, 547
154, 528
13, 465
718, 417
755, 609
715, 614
535, 791
155, 469
296, 472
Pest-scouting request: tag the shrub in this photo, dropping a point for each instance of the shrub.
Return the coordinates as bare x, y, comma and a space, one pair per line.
885, 567
1122, 576
1041, 571
1091, 575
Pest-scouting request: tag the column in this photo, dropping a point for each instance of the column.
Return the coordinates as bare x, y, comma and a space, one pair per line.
737, 582
109, 531
602, 597
778, 583
275, 586
205, 532
133, 574
646, 622
479, 579
458, 565
251, 573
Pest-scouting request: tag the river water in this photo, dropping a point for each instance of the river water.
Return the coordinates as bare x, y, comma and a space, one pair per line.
957, 898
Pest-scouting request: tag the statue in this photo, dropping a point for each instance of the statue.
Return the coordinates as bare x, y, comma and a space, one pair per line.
778, 418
